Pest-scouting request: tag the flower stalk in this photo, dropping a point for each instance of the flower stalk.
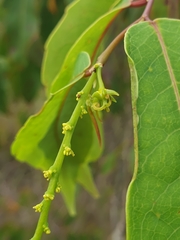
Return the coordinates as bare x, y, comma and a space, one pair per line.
98, 101
53, 173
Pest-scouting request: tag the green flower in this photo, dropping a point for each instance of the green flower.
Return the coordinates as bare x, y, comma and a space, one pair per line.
38, 207
102, 99
68, 151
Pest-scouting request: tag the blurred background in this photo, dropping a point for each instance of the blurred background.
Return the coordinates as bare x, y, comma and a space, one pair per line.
24, 28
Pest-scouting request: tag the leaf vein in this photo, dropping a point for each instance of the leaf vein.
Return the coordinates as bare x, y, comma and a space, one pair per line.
168, 63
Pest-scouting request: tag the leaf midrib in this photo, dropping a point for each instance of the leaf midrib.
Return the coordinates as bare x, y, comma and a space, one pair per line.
168, 63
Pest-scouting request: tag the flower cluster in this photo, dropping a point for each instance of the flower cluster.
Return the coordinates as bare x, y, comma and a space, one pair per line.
46, 229
68, 151
66, 127
102, 99
48, 196
47, 174
38, 207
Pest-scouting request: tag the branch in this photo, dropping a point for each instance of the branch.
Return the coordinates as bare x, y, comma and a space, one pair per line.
104, 56
147, 10
145, 17
54, 171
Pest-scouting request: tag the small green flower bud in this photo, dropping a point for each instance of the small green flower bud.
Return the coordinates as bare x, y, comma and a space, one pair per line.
83, 111
68, 151
97, 65
48, 196
58, 189
47, 174
46, 229
66, 127
38, 207
78, 95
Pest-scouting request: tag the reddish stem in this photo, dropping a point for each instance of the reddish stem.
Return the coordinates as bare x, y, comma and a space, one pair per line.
145, 16
138, 3
147, 10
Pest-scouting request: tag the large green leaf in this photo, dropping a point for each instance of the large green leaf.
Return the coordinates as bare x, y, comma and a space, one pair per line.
72, 36
40, 137
153, 199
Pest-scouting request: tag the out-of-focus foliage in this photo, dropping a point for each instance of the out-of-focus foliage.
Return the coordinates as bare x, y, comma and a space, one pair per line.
24, 27
20, 53
36, 142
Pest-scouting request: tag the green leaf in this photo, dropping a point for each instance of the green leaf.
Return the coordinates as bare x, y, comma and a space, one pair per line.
66, 33
71, 174
37, 143
71, 37
153, 198
85, 178
68, 184
39, 137
76, 170
83, 61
